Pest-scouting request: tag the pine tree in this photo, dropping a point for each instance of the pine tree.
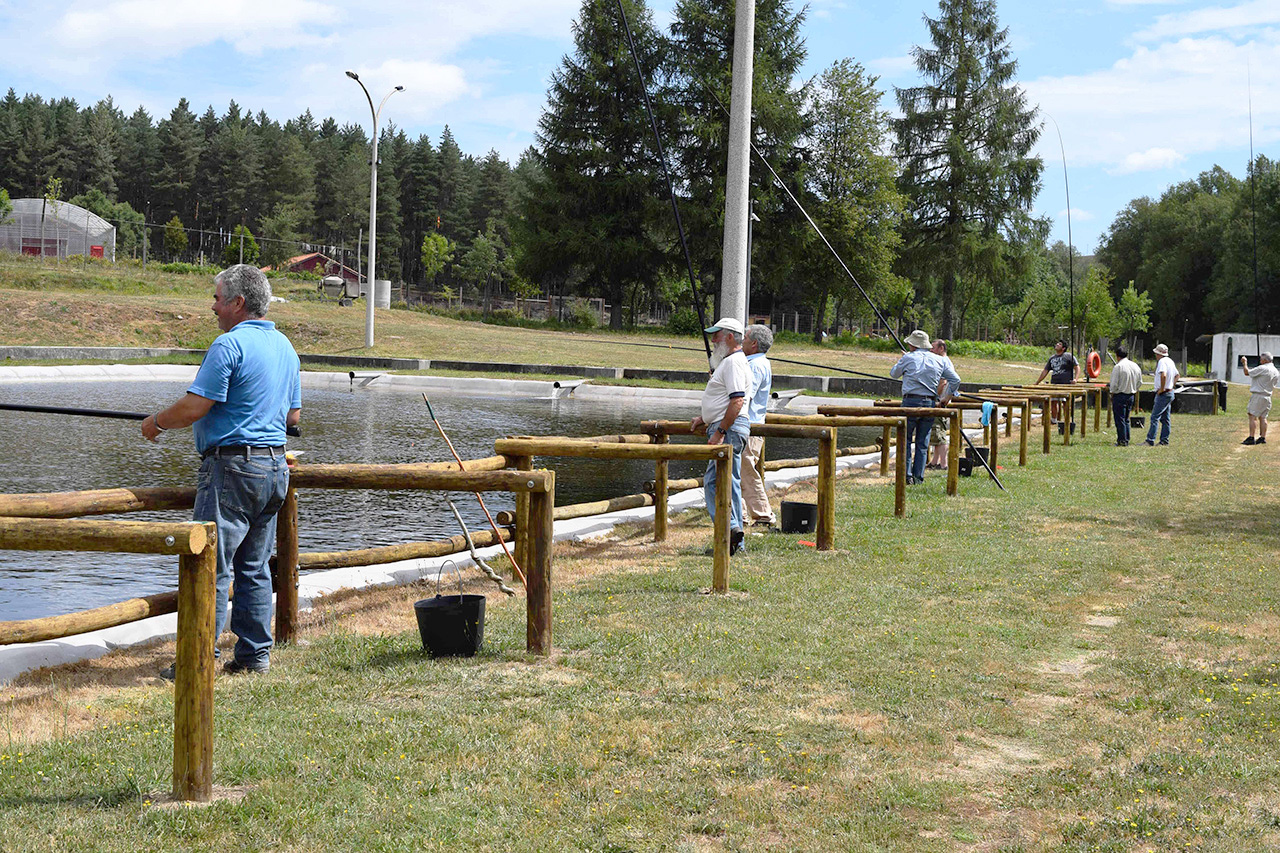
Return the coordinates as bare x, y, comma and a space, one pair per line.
964, 146
180, 145
599, 205
454, 193
139, 159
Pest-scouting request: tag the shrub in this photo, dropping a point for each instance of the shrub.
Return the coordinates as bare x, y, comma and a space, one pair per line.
684, 321
581, 316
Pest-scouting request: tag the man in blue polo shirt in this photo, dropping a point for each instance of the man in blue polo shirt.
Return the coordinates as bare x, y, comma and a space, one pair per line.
927, 382
247, 392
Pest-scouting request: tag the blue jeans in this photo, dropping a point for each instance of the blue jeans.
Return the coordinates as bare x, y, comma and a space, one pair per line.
242, 496
1160, 414
1121, 406
737, 440
918, 430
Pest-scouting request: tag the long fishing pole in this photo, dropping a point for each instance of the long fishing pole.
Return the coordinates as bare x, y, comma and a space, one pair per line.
98, 413
777, 178
462, 467
1253, 204
671, 190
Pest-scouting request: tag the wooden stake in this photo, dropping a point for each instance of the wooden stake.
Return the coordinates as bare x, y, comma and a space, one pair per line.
827, 492
538, 584
522, 463
900, 478
724, 484
1024, 428
1046, 422
661, 472
884, 453
193, 675
953, 455
286, 574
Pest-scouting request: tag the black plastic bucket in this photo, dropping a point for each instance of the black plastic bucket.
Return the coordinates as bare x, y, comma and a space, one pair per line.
965, 467
799, 517
451, 625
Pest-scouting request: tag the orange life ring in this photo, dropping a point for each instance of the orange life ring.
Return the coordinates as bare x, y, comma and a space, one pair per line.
1093, 365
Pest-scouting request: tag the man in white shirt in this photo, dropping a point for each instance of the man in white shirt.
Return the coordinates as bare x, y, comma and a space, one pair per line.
1126, 379
1262, 381
724, 415
1166, 375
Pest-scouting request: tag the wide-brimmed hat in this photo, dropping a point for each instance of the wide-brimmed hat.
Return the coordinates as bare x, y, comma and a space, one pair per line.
919, 339
727, 324
1161, 349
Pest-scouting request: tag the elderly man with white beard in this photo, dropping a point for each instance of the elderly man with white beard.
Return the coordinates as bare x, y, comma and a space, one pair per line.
724, 415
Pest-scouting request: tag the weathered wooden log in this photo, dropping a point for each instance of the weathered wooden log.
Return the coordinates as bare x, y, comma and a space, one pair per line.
417, 476
129, 537
767, 430
67, 625
661, 474
593, 450
583, 510
193, 676
538, 589
839, 420
395, 553
720, 559
97, 502
597, 439
286, 568
826, 532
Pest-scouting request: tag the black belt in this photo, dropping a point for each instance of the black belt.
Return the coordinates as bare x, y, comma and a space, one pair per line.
243, 450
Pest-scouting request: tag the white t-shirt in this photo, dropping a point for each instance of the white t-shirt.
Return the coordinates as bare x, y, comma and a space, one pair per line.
1263, 379
1169, 371
732, 378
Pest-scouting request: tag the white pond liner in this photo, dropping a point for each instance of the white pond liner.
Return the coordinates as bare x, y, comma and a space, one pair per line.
21, 657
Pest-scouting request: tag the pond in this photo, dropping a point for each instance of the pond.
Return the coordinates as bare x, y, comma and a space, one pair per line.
48, 453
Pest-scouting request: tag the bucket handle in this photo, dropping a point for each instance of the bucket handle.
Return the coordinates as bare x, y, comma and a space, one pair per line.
456, 570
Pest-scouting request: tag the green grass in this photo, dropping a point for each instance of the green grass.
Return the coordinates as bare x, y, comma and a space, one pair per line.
1086, 662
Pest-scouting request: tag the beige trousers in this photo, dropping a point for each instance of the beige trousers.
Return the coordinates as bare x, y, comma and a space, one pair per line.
755, 502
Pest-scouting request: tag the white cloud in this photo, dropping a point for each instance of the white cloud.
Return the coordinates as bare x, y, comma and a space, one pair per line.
1213, 19
1150, 160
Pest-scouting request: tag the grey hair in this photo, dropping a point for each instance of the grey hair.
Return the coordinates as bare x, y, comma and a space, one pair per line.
1265, 358
249, 282
762, 335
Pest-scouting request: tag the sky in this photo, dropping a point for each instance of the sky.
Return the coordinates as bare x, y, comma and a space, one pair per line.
1144, 93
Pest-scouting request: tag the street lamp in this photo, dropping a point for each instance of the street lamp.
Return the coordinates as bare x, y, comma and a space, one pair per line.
373, 207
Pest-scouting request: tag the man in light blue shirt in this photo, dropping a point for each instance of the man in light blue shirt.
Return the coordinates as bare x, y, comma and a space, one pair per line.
927, 382
247, 392
755, 501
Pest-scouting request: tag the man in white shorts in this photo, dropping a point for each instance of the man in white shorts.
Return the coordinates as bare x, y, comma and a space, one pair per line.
1262, 381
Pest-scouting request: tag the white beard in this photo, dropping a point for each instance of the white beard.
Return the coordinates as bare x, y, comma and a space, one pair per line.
719, 353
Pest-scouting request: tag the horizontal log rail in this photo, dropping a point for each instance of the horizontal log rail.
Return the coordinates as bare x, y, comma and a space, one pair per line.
319, 560
128, 537
415, 476
98, 502
897, 423
568, 447
586, 510
81, 622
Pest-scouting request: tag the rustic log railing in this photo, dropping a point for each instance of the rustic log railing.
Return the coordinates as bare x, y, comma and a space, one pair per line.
522, 450
825, 436
895, 422
878, 409
194, 545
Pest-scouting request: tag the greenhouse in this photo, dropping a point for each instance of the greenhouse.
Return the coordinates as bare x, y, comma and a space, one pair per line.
56, 229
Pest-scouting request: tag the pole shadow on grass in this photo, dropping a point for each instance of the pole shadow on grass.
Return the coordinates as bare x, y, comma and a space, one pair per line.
109, 799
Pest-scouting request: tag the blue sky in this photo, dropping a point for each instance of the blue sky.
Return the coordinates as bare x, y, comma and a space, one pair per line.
1146, 93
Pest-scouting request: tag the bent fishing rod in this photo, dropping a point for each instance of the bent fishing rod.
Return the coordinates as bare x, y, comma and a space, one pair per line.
294, 431
671, 190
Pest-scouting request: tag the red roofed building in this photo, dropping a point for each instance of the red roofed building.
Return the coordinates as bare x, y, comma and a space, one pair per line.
319, 264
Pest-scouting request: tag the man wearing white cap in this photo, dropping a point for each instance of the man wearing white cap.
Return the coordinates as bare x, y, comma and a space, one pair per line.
724, 415
1262, 381
1166, 375
925, 379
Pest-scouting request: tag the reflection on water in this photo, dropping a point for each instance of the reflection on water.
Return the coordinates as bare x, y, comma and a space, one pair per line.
48, 453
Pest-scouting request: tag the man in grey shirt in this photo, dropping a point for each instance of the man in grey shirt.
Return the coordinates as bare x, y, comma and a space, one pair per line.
923, 376
1126, 379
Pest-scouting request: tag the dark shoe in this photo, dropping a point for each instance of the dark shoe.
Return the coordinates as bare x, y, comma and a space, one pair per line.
735, 542
1261, 441
1149, 443
1249, 440
234, 667
766, 523
1164, 444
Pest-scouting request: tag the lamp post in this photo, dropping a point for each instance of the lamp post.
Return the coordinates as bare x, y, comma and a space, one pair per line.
373, 207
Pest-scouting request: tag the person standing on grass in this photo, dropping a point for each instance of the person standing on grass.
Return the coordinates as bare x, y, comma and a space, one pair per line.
1126, 379
756, 342
939, 438
1065, 370
247, 392
1262, 381
724, 415
923, 376
1166, 375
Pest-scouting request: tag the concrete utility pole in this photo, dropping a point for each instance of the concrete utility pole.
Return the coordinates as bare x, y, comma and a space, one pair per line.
733, 275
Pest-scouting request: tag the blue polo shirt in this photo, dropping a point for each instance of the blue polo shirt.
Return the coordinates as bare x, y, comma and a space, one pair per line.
254, 378
920, 371
761, 387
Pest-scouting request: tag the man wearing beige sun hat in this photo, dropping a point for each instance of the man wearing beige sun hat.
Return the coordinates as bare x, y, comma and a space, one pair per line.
927, 381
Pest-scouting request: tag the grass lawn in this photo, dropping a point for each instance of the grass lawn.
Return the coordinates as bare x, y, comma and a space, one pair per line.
1086, 662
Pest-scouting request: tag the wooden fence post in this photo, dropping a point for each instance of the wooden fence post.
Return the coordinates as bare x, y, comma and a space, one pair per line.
900, 474
953, 454
522, 549
995, 439
287, 569
1046, 406
1084, 413
724, 486
884, 453
1069, 422
1024, 428
1008, 420
1097, 412
827, 491
537, 567
193, 674
661, 471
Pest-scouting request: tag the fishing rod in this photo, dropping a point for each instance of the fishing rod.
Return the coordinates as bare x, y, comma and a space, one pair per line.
99, 413
671, 190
